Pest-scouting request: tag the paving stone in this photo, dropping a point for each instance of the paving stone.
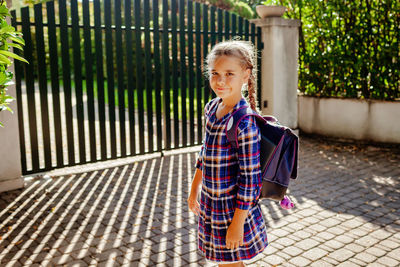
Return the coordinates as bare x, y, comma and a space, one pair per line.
348, 264
388, 261
315, 254
365, 257
341, 254
321, 263
375, 251
306, 244
354, 247
395, 254
344, 239
76, 263
109, 254
367, 241
63, 259
292, 251
336, 230
300, 261
274, 260
390, 244
284, 241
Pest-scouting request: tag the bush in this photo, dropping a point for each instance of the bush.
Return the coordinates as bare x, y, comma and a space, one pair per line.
7, 33
349, 50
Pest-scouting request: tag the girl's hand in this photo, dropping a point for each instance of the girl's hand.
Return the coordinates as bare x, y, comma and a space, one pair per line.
234, 236
193, 204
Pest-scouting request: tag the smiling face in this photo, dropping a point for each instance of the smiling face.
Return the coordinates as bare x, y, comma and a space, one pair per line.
227, 77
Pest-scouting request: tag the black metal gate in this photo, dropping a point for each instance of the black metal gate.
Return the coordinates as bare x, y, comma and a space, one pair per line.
110, 79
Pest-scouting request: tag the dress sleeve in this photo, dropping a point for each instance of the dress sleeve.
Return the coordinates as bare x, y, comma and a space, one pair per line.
249, 181
199, 161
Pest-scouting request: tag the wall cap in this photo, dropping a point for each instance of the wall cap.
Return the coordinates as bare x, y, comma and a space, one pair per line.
276, 21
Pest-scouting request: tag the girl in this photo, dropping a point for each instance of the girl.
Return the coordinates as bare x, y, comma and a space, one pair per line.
231, 227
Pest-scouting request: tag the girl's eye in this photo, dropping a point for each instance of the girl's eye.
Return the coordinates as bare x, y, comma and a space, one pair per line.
214, 73
230, 74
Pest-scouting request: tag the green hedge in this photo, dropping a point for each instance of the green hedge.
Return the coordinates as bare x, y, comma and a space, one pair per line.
349, 48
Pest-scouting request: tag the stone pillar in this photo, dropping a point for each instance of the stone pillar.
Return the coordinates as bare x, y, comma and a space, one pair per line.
279, 68
10, 156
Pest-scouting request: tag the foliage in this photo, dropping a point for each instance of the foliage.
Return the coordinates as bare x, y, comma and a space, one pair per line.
243, 10
348, 49
239, 7
7, 33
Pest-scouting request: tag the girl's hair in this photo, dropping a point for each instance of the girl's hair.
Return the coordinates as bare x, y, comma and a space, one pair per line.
246, 53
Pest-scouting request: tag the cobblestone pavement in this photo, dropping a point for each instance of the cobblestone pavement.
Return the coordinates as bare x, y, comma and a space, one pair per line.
347, 211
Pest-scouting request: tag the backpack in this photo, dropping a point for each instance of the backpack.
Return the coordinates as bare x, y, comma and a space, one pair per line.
278, 152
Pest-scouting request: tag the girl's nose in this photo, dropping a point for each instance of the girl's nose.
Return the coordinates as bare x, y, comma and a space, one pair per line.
221, 80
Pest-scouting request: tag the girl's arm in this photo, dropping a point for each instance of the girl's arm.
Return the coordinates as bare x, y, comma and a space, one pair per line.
249, 180
194, 191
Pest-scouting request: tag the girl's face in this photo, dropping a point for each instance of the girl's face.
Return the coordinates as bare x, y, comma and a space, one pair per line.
227, 77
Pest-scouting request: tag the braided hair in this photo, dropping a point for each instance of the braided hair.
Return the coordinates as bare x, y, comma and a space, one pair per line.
246, 53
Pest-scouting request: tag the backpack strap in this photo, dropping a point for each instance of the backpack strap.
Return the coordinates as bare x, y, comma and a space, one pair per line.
236, 117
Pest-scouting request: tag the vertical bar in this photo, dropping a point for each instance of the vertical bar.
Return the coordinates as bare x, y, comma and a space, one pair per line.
78, 80
213, 39
100, 78
165, 75
66, 74
182, 47
18, 73
139, 74
212, 25
234, 19
120, 75
157, 73
129, 68
55, 85
30, 87
205, 50
226, 13
253, 33
175, 86
42, 84
198, 74
110, 78
89, 78
259, 49
220, 25
191, 71
246, 30
240, 27
149, 78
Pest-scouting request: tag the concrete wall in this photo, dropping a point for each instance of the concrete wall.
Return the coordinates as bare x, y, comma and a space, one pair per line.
280, 68
369, 120
10, 157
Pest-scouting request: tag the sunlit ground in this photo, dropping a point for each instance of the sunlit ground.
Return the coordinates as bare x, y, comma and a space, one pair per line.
347, 210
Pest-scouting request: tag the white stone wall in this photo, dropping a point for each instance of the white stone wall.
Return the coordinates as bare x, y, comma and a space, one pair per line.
370, 120
280, 68
10, 156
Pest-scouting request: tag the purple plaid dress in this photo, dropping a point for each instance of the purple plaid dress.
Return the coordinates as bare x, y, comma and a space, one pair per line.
231, 179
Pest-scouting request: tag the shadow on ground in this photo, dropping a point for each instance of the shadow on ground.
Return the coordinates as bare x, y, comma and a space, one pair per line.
137, 213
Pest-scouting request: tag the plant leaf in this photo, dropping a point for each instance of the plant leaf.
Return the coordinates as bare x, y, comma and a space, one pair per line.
11, 54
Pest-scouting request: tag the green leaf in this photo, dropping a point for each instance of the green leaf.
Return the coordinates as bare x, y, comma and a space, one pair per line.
4, 11
17, 39
15, 46
7, 30
3, 78
4, 60
10, 54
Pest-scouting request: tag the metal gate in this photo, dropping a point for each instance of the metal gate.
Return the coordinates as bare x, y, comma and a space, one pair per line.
110, 79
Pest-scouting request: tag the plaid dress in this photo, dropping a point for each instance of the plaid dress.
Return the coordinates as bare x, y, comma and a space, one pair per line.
231, 179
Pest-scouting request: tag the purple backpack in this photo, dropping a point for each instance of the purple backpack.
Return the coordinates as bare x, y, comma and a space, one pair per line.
278, 151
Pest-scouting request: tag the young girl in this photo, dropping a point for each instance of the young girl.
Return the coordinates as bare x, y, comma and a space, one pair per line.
231, 227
